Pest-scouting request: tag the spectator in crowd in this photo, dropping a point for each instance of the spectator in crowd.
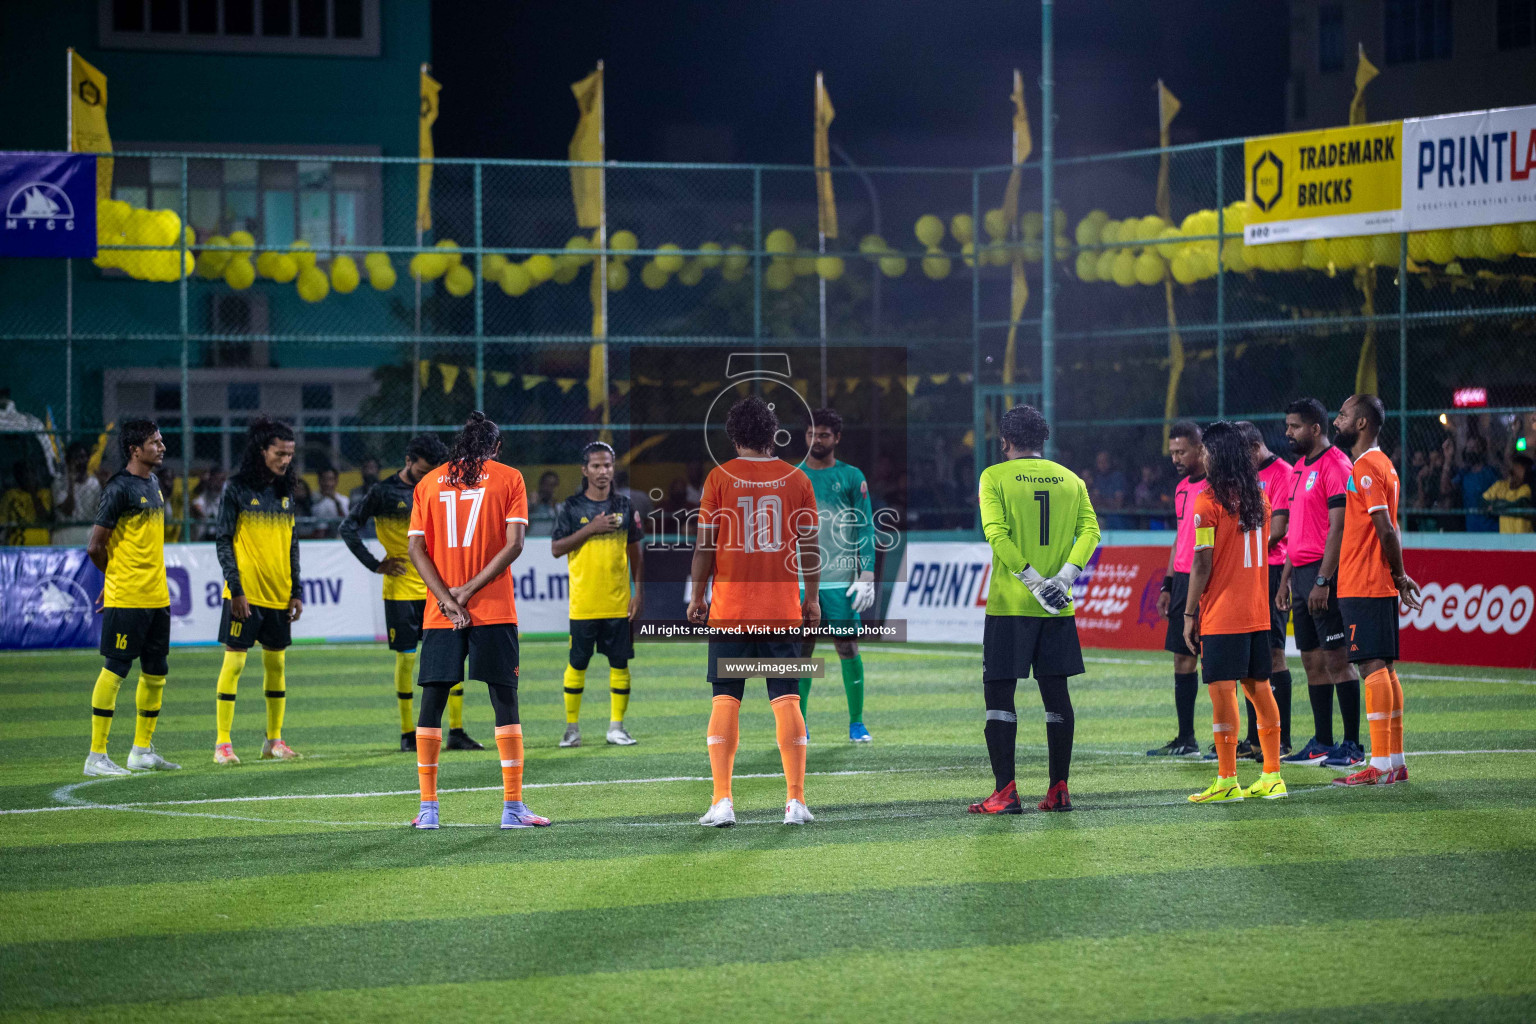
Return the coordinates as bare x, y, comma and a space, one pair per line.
543, 507
76, 496
1111, 489
1150, 493
1511, 497
675, 508
370, 471
25, 508
1467, 478
330, 506
303, 509
205, 500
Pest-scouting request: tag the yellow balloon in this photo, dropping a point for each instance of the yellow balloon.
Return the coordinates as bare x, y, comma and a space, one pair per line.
491, 266
929, 230
711, 255
893, 266
382, 276
936, 266
1109, 232
1384, 250
1418, 246
1104, 265
313, 284
968, 253
239, 274
1087, 232
1527, 232
1124, 272
962, 227
459, 281
622, 239
691, 274
344, 275
1439, 246
1170, 248
515, 280
736, 261
1182, 269
428, 266
803, 264
284, 268
1314, 254
1085, 267
653, 276
779, 242
667, 259
580, 242
1150, 268
872, 246
995, 255
1149, 228
779, 275
829, 268
995, 224
242, 239
1031, 224
1486, 249
618, 277
1286, 256
303, 255
452, 258
1235, 218
565, 272
212, 261
540, 267
1464, 241
111, 215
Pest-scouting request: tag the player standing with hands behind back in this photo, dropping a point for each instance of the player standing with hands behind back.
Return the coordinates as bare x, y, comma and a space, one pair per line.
467, 527
1037, 517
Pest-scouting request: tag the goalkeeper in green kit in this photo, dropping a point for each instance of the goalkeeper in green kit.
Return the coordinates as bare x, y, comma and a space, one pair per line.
1040, 524
848, 559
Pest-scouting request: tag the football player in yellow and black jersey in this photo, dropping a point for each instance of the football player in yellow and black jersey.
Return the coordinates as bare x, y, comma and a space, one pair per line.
128, 545
388, 504
259, 555
599, 530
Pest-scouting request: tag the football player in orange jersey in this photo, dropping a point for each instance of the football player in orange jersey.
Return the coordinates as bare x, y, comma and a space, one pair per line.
756, 541
1371, 582
1229, 590
468, 519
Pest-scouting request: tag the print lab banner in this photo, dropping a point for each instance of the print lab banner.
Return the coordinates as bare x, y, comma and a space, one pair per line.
944, 596
1324, 184
1479, 606
1469, 170
48, 595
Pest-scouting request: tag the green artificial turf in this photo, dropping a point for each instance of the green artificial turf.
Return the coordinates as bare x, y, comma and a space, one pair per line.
295, 891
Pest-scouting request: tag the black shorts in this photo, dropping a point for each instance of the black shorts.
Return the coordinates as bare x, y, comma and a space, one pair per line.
266, 626
143, 633
1372, 626
1277, 618
778, 686
1011, 645
1226, 656
491, 650
403, 618
1177, 603
609, 637
1314, 631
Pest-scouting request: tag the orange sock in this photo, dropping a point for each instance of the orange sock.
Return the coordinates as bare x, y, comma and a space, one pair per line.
724, 734
1378, 713
428, 743
509, 741
790, 725
1267, 711
1224, 725
1395, 735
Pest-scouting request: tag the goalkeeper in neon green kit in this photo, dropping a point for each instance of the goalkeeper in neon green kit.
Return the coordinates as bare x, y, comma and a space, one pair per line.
848, 558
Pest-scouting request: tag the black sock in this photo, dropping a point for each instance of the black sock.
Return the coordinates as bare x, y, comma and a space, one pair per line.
1280, 682
1185, 686
1002, 728
1322, 712
1349, 708
1253, 723
1059, 724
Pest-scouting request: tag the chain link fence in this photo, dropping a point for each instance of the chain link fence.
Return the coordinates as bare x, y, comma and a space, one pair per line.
313, 298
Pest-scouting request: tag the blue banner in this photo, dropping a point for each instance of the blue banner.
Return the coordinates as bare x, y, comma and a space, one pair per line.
49, 204
48, 598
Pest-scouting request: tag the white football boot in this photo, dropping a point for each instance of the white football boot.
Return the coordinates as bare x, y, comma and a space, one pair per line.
796, 813
101, 764
147, 759
720, 815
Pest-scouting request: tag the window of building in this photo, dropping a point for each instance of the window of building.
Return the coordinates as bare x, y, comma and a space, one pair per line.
1515, 24
329, 204
243, 395
344, 28
1330, 38
1416, 30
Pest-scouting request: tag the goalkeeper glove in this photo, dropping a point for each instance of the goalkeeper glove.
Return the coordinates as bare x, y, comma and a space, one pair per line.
862, 592
1066, 577
1047, 591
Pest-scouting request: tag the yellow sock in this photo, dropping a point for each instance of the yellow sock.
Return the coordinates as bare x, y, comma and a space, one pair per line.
618, 690
575, 683
151, 690
276, 687
456, 707
405, 674
229, 679
103, 701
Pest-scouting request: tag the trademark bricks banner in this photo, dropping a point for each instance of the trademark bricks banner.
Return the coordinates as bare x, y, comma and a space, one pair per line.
1468, 170
1324, 184
1479, 606
49, 204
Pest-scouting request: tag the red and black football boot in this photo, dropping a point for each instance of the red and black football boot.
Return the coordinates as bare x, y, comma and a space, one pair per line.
1004, 801
1058, 799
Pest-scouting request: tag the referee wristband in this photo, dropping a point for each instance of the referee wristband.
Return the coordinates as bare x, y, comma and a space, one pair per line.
1167, 584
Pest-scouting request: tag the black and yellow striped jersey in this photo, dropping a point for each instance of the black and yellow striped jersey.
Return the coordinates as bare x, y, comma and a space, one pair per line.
599, 569
258, 549
133, 508
388, 504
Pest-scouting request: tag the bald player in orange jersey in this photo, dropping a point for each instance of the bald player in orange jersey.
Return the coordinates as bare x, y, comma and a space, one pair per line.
756, 542
468, 518
1371, 582
1229, 588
